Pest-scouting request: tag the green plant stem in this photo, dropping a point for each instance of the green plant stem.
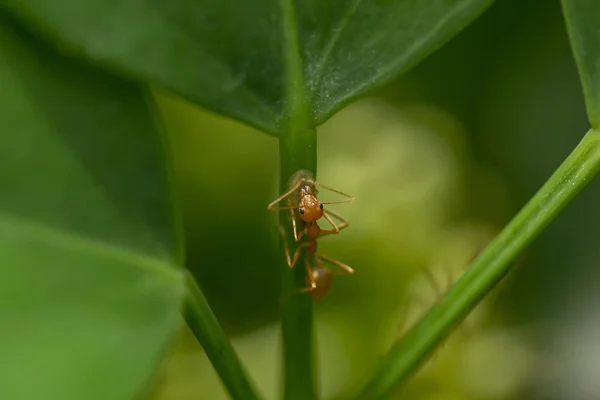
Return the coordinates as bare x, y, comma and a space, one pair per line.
209, 333
576, 172
297, 150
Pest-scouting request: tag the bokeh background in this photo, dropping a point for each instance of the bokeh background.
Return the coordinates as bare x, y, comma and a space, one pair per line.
439, 160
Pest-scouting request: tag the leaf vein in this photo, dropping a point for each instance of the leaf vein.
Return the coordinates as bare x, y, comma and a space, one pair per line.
59, 238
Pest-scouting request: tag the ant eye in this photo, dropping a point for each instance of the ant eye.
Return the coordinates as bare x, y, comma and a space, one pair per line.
301, 210
321, 206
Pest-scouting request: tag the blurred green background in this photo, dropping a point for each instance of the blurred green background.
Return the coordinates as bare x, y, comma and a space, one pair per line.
438, 160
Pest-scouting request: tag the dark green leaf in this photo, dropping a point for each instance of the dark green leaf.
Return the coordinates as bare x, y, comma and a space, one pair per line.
89, 297
230, 56
583, 21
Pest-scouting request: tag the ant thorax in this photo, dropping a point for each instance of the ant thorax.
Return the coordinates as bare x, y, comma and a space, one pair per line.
312, 230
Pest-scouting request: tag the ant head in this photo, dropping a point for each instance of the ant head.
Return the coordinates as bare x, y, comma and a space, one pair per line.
310, 209
323, 279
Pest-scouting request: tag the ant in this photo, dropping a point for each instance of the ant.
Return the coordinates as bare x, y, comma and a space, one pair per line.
306, 203
302, 196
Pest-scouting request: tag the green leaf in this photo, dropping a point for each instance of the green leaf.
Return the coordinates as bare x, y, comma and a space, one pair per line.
89, 298
583, 19
230, 56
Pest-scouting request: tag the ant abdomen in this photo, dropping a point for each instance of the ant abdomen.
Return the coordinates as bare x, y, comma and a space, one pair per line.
323, 279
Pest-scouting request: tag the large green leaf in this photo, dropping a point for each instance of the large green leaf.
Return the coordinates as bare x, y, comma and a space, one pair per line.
583, 20
89, 298
230, 55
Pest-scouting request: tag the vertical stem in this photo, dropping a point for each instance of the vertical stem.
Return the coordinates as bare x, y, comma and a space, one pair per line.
297, 150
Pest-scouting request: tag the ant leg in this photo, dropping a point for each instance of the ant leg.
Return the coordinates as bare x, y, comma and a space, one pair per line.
343, 221
350, 198
449, 277
297, 236
272, 206
337, 263
337, 228
407, 307
311, 278
290, 260
309, 272
313, 283
432, 282
305, 289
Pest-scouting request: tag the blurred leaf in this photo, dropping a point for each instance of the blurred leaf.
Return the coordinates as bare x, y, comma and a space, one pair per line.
414, 348
583, 18
230, 56
89, 297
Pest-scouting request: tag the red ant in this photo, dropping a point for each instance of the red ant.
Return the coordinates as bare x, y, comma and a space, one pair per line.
306, 203
302, 196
